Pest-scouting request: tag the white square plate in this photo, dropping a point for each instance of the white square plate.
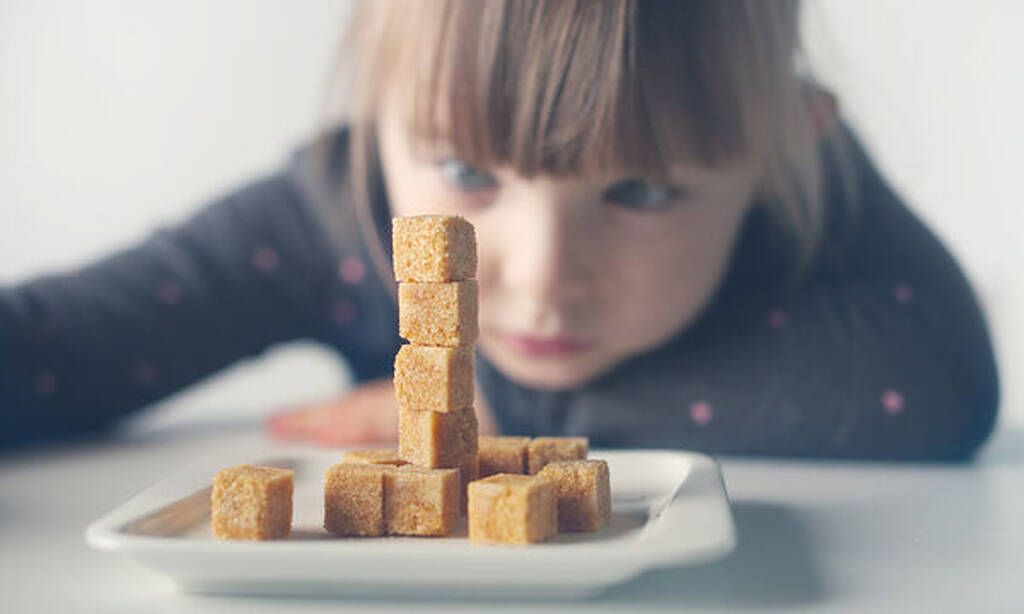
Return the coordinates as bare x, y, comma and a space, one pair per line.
669, 509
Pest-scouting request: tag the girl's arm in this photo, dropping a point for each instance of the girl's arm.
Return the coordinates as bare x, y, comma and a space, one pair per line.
254, 269
841, 372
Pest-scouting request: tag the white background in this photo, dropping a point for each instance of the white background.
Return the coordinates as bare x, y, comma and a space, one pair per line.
116, 117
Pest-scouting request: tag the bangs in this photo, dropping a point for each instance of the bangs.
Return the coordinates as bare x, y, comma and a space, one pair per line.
591, 87
576, 87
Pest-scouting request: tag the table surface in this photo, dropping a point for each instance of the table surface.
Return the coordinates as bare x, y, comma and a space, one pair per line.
812, 536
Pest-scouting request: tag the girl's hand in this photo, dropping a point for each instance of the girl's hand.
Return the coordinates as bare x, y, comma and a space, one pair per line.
367, 415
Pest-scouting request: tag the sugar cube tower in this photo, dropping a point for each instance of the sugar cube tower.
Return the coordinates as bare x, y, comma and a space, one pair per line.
435, 263
420, 489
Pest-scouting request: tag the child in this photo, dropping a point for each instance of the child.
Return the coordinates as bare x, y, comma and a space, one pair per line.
679, 246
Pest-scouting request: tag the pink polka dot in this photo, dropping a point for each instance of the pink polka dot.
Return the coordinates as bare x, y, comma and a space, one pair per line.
701, 413
46, 383
266, 260
352, 270
903, 294
892, 402
169, 293
345, 312
144, 373
778, 318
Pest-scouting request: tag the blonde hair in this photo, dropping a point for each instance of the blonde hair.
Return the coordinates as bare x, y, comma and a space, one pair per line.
574, 86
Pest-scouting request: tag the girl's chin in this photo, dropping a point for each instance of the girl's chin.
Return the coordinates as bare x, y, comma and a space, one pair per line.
551, 373
543, 381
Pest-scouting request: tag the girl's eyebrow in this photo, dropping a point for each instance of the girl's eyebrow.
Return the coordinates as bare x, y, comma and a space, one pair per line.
673, 174
422, 147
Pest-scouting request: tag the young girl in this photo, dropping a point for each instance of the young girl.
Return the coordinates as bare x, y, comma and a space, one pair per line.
679, 246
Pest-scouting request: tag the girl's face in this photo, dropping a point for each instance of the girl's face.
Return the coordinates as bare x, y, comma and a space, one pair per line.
576, 274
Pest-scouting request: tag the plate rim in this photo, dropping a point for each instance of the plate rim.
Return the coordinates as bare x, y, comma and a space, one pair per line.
704, 478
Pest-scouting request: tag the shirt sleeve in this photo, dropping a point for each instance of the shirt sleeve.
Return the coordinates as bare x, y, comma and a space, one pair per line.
881, 352
252, 269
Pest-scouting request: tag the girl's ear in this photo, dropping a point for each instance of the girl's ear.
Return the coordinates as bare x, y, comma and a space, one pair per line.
823, 108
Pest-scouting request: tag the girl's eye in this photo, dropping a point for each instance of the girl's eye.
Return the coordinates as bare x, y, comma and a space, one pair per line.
642, 195
466, 177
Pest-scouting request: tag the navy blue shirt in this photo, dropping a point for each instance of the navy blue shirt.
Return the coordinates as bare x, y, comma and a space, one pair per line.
878, 351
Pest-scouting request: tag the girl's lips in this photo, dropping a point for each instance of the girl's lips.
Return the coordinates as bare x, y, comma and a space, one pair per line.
557, 346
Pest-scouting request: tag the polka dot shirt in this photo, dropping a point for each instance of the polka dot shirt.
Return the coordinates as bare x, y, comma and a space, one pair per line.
878, 351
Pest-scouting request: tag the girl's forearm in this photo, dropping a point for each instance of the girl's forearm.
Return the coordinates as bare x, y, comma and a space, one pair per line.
81, 348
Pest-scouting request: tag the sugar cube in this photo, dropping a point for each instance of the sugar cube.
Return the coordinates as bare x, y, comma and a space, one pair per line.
354, 499
434, 378
421, 501
434, 439
433, 248
252, 502
438, 313
469, 471
512, 509
502, 455
376, 456
584, 493
543, 450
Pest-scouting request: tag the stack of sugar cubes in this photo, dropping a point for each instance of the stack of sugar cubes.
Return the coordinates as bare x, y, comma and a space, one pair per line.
420, 490
435, 263
528, 489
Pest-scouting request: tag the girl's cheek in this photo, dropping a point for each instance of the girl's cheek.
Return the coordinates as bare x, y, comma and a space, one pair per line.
667, 283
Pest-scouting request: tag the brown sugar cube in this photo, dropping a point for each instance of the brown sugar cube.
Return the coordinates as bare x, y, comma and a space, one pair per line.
434, 439
512, 509
433, 248
434, 378
421, 501
502, 455
376, 456
544, 450
354, 499
438, 313
252, 502
469, 471
584, 493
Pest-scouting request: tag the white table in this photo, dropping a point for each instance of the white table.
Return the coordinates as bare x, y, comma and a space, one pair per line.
813, 536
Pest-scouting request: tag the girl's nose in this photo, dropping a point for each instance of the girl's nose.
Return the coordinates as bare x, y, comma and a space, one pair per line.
550, 258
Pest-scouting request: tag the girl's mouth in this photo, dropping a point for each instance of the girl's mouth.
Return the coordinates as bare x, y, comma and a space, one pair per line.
556, 346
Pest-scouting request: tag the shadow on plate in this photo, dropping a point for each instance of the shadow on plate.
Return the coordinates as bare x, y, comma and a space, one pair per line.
771, 567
